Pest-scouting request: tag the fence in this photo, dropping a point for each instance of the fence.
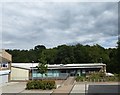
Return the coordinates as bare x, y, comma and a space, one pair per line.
98, 80
57, 76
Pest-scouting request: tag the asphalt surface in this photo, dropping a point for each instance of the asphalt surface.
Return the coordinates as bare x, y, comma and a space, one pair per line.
105, 88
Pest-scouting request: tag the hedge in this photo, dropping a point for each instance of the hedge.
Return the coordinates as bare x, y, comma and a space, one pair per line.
41, 84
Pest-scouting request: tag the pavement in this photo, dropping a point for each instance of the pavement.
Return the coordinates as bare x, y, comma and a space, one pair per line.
79, 88
19, 87
13, 87
46, 92
63, 90
67, 88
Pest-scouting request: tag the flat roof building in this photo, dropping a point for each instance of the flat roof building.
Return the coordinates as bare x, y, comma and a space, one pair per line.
27, 71
5, 66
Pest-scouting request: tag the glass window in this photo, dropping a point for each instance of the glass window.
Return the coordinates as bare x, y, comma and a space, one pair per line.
4, 64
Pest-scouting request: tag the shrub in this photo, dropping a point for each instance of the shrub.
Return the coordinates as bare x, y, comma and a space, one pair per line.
41, 84
30, 85
37, 84
112, 78
80, 78
98, 77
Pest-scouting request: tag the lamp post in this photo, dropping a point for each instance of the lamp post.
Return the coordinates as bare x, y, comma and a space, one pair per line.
100, 60
85, 87
32, 69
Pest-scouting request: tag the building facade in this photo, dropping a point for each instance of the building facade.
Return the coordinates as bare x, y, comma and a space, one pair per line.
28, 71
5, 66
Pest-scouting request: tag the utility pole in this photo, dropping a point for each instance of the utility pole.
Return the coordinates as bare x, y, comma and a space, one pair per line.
100, 60
32, 69
85, 87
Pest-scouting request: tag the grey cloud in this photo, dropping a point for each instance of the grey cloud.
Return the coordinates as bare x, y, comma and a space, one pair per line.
52, 24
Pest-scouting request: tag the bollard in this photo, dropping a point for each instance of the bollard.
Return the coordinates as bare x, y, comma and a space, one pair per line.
94, 80
90, 80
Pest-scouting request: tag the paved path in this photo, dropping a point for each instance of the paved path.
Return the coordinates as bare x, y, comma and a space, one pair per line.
40, 92
66, 88
13, 87
69, 81
19, 87
79, 88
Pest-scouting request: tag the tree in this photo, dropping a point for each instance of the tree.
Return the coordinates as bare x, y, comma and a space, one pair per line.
38, 50
118, 57
32, 56
42, 67
81, 54
50, 55
39, 47
65, 55
68, 54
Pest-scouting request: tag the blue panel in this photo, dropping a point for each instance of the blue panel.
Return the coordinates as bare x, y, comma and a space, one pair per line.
51, 73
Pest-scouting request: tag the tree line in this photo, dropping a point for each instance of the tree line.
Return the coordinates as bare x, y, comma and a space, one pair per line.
70, 54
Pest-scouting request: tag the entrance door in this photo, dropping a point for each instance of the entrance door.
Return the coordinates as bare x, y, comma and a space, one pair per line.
72, 73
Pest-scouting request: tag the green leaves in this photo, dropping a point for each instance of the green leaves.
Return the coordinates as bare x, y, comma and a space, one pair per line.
66, 54
42, 66
41, 84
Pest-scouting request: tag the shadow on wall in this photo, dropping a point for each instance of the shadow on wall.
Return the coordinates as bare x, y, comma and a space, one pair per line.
104, 90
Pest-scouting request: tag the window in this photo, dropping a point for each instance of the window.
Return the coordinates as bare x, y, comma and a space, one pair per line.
4, 65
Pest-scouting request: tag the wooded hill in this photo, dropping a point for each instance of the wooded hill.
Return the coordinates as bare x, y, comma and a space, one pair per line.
69, 54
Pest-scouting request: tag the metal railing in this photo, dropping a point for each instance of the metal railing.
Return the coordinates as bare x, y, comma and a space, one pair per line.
99, 80
60, 76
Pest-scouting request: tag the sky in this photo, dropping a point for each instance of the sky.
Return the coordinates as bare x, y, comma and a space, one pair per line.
25, 25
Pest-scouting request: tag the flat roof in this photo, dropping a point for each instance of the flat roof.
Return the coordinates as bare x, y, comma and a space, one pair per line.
59, 66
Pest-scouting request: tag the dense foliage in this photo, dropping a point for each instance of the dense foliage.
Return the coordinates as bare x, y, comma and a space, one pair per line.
42, 66
41, 84
69, 54
98, 77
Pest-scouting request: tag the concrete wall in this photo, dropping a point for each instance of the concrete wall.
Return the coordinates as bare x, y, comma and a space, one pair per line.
3, 79
19, 74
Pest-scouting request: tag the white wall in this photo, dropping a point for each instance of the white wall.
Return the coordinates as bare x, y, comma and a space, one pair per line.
3, 79
19, 74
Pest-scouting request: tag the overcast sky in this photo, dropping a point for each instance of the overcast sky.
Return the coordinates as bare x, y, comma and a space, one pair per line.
25, 25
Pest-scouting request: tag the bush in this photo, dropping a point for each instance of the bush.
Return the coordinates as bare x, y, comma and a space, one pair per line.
30, 85
112, 78
41, 84
80, 78
98, 77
